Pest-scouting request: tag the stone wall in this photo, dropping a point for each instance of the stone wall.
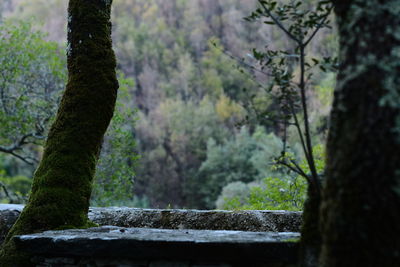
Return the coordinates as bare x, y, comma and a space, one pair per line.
166, 237
116, 246
255, 221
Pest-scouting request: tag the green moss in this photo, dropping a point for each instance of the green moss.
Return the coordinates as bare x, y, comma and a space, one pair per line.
89, 224
292, 240
63, 181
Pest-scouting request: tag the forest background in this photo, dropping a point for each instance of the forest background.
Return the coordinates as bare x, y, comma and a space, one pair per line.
195, 124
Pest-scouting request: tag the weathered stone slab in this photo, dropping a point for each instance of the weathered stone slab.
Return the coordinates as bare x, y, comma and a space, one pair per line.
190, 247
256, 221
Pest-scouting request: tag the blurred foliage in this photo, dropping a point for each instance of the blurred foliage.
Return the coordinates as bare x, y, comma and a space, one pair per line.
14, 189
287, 192
244, 158
115, 173
275, 194
31, 79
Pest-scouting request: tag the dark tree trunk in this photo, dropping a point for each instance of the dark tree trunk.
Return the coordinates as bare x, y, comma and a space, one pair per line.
63, 181
310, 243
360, 213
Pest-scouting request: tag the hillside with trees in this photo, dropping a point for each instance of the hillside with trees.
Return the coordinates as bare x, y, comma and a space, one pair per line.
196, 126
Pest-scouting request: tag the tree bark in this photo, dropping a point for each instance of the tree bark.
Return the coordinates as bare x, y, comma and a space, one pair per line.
310, 243
360, 213
63, 181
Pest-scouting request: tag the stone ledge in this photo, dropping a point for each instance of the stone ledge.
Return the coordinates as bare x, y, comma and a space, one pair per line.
110, 243
256, 221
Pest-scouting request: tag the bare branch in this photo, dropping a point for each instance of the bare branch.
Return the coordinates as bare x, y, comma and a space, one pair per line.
293, 166
15, 199
310, 158
298, 128
3, 186
242, 62
27, 160
23, 140
19, 145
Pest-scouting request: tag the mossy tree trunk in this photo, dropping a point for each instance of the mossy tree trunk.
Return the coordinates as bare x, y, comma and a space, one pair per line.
63, 181
360, 213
